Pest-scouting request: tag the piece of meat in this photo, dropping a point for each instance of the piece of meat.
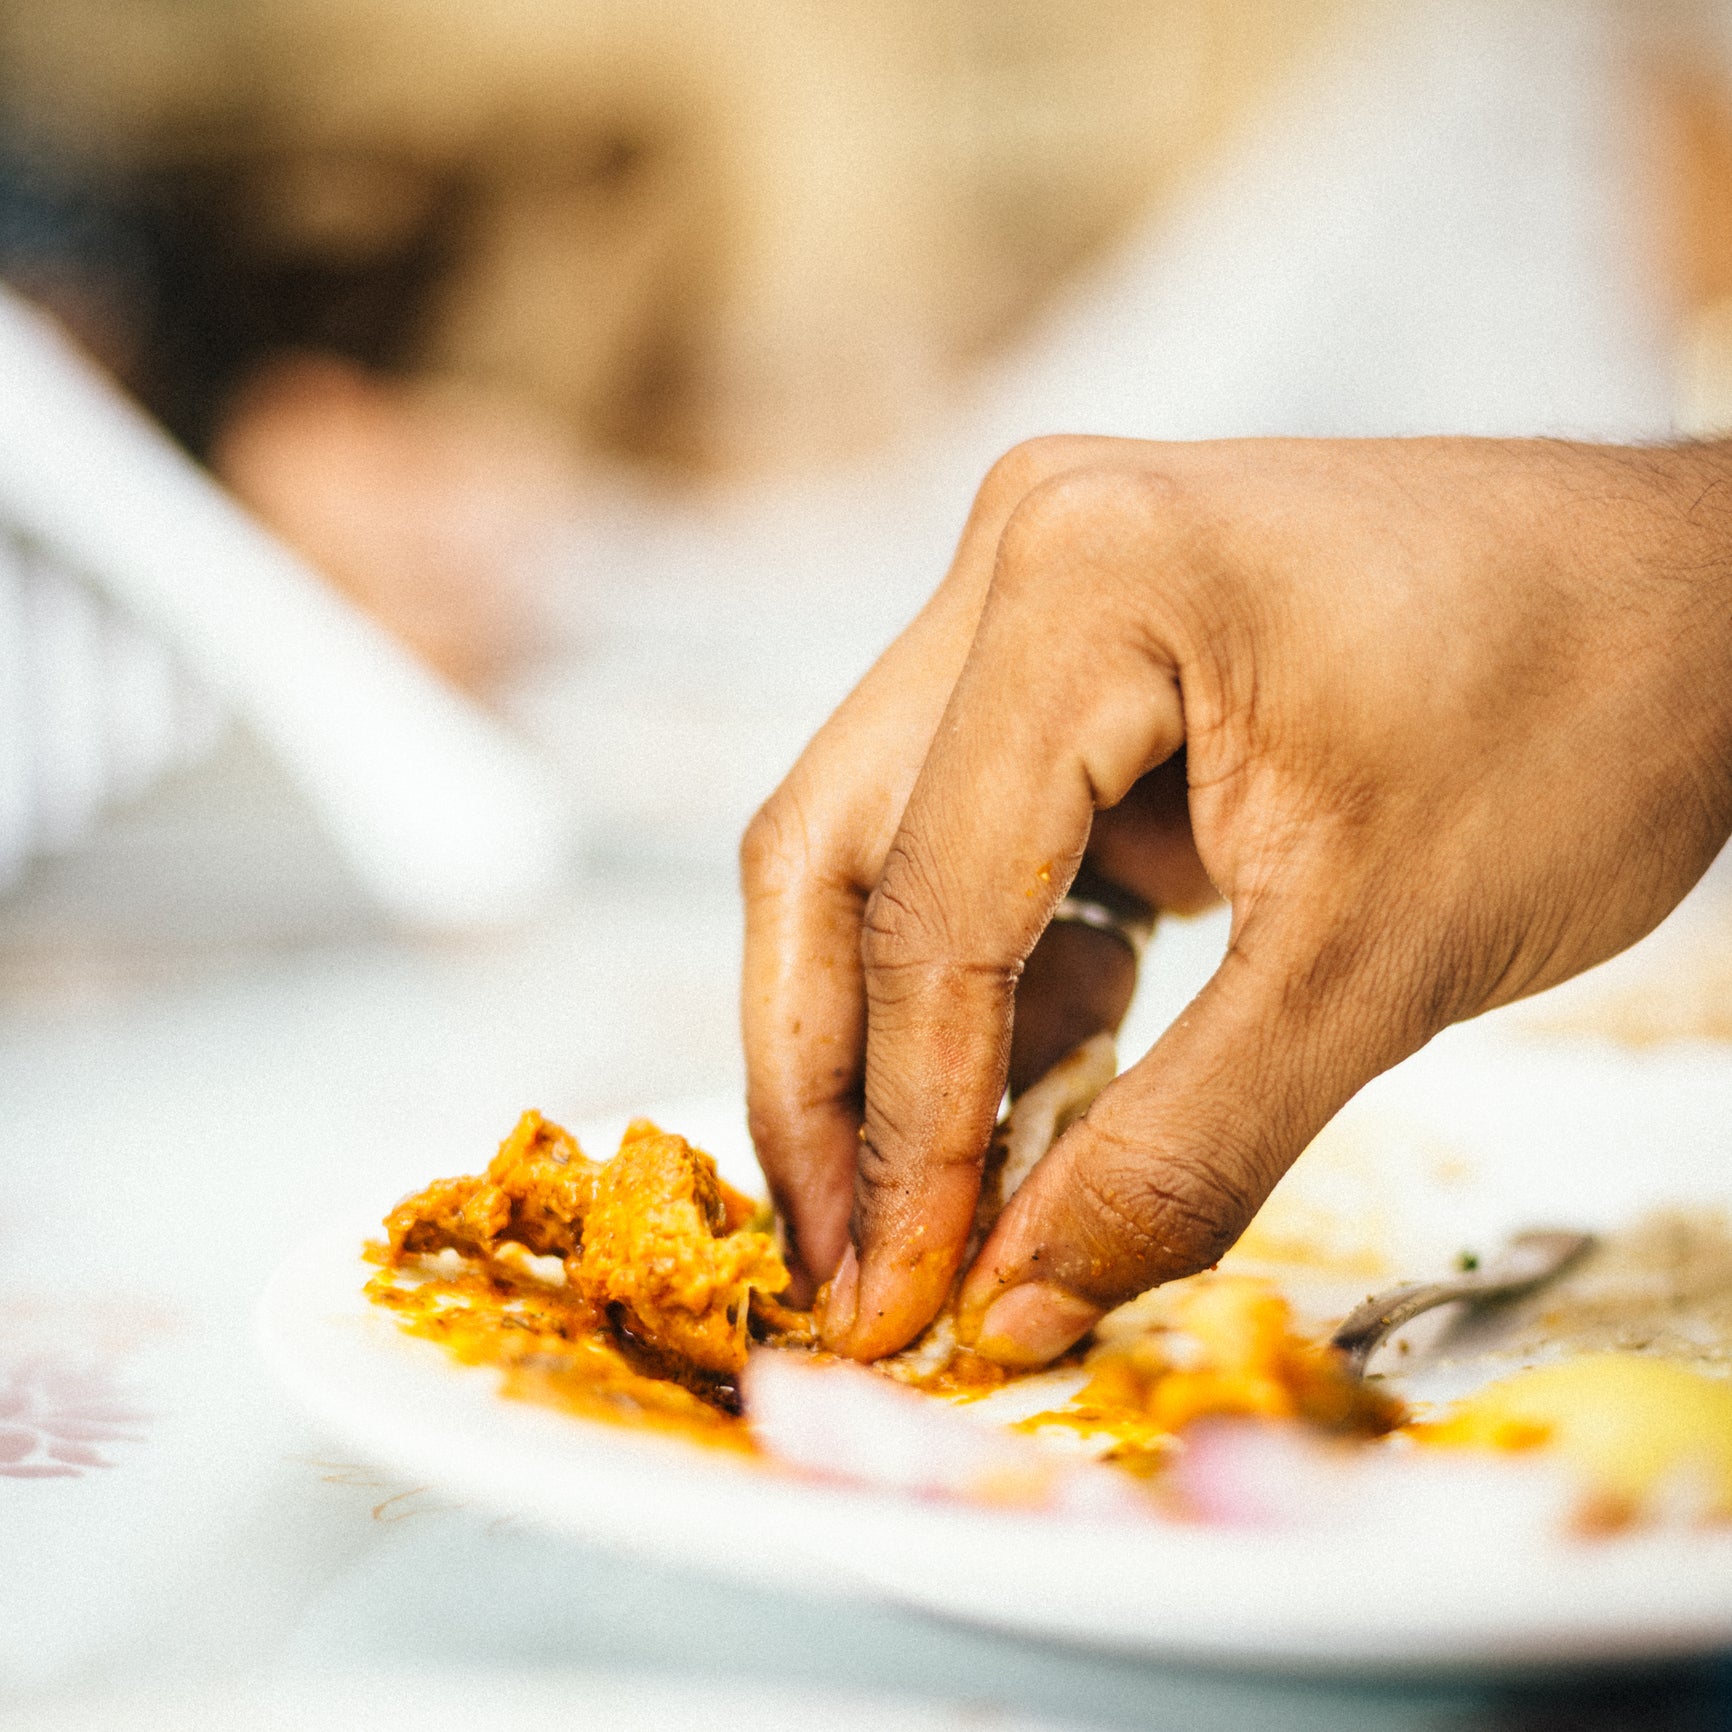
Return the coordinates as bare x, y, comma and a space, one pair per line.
668, 1254
1230, 1351
1046, 1109
535, 1193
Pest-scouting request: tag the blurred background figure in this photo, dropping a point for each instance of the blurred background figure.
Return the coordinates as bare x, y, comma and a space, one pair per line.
633, 363
412, 265
711, 237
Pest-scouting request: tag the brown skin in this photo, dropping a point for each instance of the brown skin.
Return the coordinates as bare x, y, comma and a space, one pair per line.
1456, 723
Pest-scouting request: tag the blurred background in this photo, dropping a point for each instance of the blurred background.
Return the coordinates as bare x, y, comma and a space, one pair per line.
633, 362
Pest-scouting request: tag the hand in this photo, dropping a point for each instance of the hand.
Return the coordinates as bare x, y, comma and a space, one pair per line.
1445, 721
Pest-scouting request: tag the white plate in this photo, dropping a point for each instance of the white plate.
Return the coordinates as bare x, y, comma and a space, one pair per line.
1488, 1130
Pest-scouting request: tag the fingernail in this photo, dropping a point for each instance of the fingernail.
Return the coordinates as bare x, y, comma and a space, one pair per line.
1033, 1323
844, 1301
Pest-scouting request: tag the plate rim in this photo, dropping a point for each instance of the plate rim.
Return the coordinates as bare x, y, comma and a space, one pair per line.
851, 1542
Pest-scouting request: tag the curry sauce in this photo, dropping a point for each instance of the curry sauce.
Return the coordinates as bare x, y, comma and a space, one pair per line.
632, 1291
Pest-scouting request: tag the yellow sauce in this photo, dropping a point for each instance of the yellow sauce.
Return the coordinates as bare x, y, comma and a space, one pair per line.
628, 1292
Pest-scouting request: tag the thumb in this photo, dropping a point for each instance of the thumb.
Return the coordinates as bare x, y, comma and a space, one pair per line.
1169, 1165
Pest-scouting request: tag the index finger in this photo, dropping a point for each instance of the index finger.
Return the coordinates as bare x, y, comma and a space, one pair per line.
810, 860
803, 1020
1057, 712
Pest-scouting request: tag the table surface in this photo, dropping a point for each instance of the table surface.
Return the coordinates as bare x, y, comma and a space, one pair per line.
176, 1114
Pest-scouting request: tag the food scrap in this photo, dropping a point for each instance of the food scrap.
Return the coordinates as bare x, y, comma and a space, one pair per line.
1646, 1438
663, 1275
1231, 1351
645, 1291
668, 1252
634, 1290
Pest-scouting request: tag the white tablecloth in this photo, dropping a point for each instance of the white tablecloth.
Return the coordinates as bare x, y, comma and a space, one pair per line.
180, 1548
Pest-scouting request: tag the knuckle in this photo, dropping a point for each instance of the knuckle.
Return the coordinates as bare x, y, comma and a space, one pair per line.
764, 846
881, 1183
904, 922
875, 1171
1055, 507
1025, 466
1158, 1218
1128, 523
777, 849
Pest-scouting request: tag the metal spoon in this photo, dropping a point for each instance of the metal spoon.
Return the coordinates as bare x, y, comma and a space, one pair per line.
1526, 1261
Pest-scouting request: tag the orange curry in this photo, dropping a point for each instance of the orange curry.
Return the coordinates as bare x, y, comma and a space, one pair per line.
631, 1291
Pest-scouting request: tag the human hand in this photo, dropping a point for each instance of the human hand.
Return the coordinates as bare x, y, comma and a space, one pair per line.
1454, 721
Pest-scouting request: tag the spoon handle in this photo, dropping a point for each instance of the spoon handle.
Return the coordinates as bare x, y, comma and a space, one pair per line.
1522, 1265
